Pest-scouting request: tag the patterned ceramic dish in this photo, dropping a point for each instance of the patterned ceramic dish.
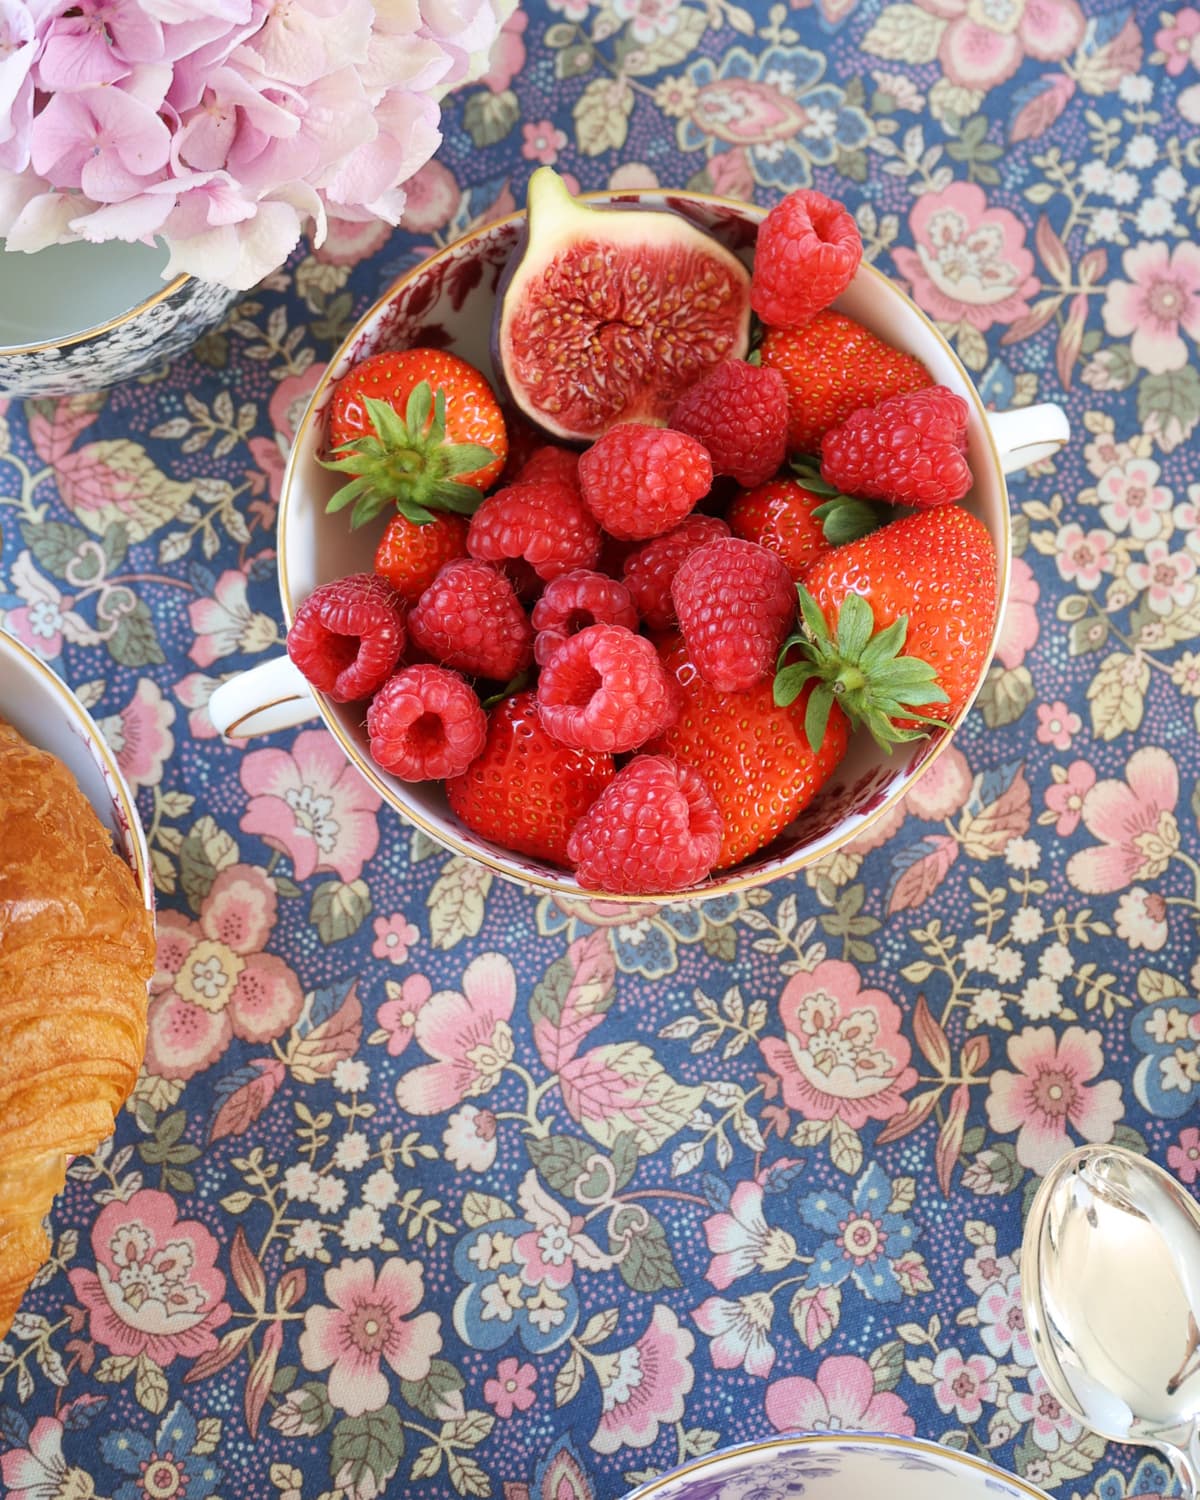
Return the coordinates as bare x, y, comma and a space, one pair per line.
448, 301
43, 708
821, 1466
84, 317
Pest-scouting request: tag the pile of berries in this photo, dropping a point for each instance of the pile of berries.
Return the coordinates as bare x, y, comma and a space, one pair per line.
642, 661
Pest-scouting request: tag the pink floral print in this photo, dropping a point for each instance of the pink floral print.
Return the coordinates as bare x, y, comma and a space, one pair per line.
841, 1398
1135, 821
1051, 1094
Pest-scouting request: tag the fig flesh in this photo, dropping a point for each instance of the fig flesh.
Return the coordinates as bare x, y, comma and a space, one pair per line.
607, 315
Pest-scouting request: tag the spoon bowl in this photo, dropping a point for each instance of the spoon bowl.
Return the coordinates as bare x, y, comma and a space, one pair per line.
1111, 1287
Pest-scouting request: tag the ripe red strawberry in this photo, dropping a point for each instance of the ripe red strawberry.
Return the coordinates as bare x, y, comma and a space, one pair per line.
897, 627
639, 481
425, 723
543, 523
800, 518
525, 790
735, 602
833, 367
908, 450
754, 756
649, 572
739, 412
806, 254
348, 636
604, 689
572, 602
418, 429
410, 555
655, 827
470, 618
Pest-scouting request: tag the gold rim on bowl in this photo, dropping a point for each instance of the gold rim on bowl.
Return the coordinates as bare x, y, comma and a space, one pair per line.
168, 289
734, 881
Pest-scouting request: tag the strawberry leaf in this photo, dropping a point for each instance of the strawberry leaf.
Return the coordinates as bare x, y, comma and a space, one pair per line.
845, 519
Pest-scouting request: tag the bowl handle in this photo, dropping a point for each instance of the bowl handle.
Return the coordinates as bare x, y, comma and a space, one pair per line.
270, 696
1028, 434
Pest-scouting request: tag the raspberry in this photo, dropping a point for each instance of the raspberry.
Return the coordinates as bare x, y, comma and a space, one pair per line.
639, 481
470, 618
548, 462
736, 603
909, 450
650, 572
543, 523
807, 252
348, 636
740, 413
655, 827
425, 723
410, 555
605, 689
572, 602
525, 790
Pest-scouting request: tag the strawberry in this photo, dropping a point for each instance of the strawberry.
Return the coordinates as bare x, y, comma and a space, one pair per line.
897, 627
411, 555
418, 429
753, 755
526, 791
800, 518
832, 367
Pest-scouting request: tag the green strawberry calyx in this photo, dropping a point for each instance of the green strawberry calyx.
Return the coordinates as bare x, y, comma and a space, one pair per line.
843, 518
407, 464
861, 669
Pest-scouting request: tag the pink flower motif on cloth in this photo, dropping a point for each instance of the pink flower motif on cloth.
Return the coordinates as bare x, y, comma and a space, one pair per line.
842, 1398
1065, 797
843, 1053
1050, 1424
1141, 919
511, 1388
986, 41
1180, 39
741, 1239
1051, 1094
394, 936
285, 409
1184, 1158
1002, 1322
549, 1252
1157, 303
213, 980
649, 19
643, 1385
39, 1471
1131, 498
467, 1034
156, 1289
543, 141
970, 263
1084, 558
312, 805
140, 735
943, 788
740, 1332
1135, 821
1168, 579
1057, 724
397, 1016
370, 1324
225, 624
1019, 629
961, 1386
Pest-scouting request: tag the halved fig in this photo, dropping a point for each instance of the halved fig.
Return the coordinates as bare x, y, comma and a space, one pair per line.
607, 315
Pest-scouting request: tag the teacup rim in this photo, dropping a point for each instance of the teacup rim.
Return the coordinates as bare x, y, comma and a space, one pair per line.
101, 752
733, 881
95, 330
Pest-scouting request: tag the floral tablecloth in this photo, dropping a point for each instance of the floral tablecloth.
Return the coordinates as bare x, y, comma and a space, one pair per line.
438, 1186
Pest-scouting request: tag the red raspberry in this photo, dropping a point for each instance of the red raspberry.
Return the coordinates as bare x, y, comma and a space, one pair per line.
470, 618
650, 572
544, 523
348, 636
736, 603
909, 450
410, 555
807, 252
655, 827
574, 601
605, 689
639, 481
425, 723
740, 413
526, 791
549, 462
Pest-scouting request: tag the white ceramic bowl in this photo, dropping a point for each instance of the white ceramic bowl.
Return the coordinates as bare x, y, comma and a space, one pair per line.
40, 706
847, 1466
448, 300
83, 317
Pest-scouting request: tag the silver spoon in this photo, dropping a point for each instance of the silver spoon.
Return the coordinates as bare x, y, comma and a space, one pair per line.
1110, 1276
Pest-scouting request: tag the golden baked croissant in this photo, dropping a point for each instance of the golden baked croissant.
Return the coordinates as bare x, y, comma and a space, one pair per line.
76, 953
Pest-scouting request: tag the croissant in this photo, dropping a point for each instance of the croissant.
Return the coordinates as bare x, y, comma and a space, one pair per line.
76, 954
